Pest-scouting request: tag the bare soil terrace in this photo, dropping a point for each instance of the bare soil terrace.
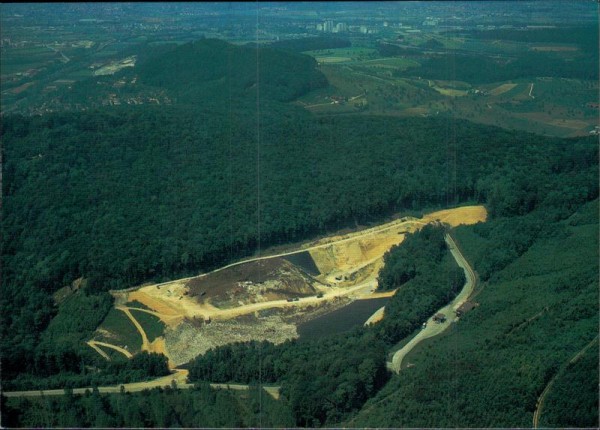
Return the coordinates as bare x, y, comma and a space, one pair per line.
266, 298
257, 281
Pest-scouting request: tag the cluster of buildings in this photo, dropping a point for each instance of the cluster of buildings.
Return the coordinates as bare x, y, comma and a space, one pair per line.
330, 27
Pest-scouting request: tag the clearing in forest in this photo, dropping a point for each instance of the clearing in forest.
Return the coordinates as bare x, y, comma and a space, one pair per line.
504, 88
266, 298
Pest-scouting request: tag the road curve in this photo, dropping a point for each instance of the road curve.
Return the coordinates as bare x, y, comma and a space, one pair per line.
433, 328
98, 350
540, 401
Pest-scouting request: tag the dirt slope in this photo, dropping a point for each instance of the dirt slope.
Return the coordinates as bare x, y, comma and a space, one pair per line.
269, 285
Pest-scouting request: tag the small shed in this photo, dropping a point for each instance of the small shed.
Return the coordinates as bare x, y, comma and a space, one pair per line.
439, 318
465, 307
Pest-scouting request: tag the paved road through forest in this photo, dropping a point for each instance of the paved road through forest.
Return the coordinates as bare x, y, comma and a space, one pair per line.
433, 328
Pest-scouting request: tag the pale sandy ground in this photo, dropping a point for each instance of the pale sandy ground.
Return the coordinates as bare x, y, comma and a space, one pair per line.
504, 88
376, 317
94, 343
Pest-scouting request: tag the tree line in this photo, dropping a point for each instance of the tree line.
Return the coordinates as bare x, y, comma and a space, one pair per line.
537, 308
198, 407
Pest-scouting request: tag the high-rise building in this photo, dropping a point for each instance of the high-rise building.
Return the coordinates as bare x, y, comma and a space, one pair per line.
341, 27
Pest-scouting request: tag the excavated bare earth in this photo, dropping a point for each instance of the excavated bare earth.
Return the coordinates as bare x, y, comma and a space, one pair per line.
263, 298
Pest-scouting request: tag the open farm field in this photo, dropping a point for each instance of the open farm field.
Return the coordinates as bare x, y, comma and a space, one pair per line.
457, 85
21, 88
343, 55
555, 48
19, 63
351, 52
501, 89
394, 63
451, 92
327, 60
574, 124
80, 74
392, 86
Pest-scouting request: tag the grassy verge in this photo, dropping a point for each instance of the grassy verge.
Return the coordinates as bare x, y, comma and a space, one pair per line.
120, 331
151, 324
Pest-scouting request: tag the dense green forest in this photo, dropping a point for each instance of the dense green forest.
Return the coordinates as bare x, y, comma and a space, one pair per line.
344, 370
584, 36
573, 397
214, 71
538, 308
121, 196
147, 202
200, 407
417, 250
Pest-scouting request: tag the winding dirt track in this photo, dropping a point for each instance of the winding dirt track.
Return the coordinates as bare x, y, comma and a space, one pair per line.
98, 350
540, 401
123, 351
148, 311
138, 326
433, 329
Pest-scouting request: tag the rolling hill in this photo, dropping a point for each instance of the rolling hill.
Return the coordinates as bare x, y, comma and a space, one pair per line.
213, 69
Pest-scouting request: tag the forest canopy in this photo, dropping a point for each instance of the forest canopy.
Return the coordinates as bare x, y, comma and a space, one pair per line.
124, 195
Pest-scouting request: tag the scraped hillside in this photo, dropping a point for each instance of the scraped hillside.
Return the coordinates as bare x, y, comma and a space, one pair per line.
264, 298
